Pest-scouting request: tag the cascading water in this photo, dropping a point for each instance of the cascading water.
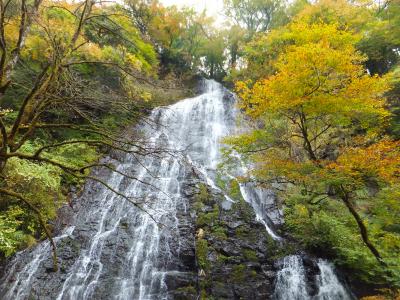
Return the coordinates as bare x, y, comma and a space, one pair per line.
113, 250
328, 283
291, 281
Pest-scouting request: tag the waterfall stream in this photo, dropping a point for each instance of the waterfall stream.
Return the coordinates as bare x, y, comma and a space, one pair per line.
122, 253
291, 281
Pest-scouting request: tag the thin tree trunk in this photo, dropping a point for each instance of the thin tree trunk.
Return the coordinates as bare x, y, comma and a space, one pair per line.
363, 229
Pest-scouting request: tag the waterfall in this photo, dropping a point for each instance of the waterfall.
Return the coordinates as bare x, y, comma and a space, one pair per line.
114, 250
328, 283
291, 281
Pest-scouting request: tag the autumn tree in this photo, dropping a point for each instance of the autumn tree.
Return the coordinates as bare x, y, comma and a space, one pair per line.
318, 99
246, 19
182, 35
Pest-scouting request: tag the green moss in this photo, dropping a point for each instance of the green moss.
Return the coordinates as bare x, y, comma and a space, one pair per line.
245, 210
203, 295
222, 258
188, 290
198, 206
201, 254
203, 196
245, 233
219, 232
220, 182
241, 232
234, 191
250, 255
275, 247
208, 218
281, 252
238, 273
225, 259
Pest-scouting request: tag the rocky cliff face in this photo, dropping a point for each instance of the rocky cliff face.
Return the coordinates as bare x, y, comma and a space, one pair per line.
233, 252
211, 240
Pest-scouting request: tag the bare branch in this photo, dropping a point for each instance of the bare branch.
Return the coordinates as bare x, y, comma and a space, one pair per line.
108, 166
39, 84
3, 131
122, 68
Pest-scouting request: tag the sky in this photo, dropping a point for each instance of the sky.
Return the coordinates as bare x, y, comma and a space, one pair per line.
214, 7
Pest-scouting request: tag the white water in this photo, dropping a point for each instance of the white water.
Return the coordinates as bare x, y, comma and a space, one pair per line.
291, 281
329, 285
111, 225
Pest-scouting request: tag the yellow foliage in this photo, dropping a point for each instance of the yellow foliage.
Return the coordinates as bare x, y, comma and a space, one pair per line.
353, 15
133, 61
91, 51
321, 90
321, 74
11, 31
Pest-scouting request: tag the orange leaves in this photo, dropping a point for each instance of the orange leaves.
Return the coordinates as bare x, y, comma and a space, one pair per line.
380, 161
356, 166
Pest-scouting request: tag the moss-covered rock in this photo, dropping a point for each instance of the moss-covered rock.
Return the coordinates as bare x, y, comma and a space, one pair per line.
232, 249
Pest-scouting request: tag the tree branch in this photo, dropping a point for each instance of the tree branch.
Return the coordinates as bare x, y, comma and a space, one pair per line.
38, 85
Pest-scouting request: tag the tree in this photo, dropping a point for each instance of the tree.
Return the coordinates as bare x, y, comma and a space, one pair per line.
214, 56
254, 15
181, 34
142, 12
319, 98
377, 25
235, 37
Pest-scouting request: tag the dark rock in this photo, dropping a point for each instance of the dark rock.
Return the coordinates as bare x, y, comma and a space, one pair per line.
237, 261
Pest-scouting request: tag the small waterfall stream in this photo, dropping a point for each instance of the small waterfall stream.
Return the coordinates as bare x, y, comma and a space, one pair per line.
291, 281
122, 253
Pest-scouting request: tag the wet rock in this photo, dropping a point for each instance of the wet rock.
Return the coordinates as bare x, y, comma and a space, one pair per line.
311, 271
234, 224
237, 260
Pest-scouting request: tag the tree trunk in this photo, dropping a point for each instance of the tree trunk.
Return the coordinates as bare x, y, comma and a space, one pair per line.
363, 230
